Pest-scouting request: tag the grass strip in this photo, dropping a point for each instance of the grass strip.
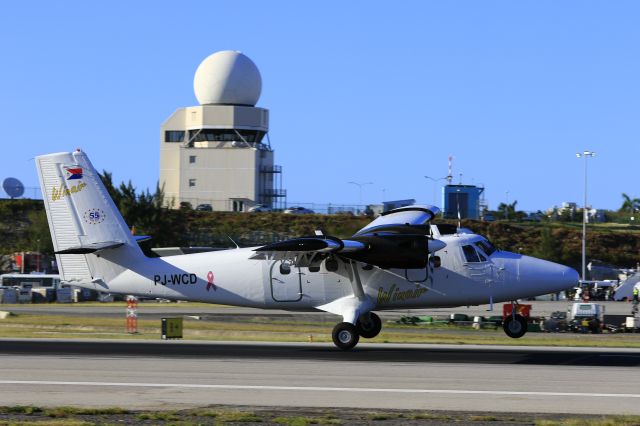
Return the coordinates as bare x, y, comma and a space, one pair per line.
291, 416
264, 329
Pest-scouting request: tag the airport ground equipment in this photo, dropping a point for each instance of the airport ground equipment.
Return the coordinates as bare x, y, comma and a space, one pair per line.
586, 317
171, 328
632, 323
401, 260
132, 315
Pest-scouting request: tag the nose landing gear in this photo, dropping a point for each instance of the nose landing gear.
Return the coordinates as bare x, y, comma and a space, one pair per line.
515, 326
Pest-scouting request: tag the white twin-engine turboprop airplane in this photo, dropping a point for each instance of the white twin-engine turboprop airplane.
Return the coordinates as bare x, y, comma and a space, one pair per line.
398, 261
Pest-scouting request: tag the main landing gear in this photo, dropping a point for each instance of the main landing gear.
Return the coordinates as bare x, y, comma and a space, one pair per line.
346, 335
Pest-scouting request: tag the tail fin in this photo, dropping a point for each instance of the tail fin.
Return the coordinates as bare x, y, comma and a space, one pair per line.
89, 234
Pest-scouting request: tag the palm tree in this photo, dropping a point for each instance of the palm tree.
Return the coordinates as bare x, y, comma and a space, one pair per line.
508, 210
629, 205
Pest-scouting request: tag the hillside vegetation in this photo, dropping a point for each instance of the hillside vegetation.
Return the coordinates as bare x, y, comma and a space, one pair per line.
23, 226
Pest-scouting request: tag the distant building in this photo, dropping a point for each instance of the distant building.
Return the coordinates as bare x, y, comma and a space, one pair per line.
216, 156
596, 215
570, 210
463, 199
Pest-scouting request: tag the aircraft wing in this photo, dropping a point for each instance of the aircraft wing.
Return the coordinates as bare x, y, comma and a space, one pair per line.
399, 238
383, 250
313, 244
304, 247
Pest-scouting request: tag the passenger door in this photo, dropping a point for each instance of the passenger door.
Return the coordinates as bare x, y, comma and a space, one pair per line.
286, 282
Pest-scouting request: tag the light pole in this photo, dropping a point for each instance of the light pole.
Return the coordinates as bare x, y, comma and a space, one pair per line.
435, 181
360, 185
585, 155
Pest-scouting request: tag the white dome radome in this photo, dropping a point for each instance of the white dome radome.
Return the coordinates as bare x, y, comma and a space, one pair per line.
229, 78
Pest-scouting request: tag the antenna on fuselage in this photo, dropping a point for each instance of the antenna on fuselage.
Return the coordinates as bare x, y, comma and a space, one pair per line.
233, 241
458, 207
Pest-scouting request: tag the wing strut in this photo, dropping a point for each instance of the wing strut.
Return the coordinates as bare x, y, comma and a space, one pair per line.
356, 284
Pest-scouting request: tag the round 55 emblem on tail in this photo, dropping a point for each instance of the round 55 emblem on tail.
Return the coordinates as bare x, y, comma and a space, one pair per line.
94, 216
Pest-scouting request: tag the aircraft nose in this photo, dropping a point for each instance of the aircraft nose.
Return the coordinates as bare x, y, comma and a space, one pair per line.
547, 276
571, 276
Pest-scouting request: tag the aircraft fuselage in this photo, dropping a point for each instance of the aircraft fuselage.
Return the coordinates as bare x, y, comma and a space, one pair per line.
231, 277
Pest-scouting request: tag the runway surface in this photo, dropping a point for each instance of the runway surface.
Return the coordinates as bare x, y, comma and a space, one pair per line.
435, 377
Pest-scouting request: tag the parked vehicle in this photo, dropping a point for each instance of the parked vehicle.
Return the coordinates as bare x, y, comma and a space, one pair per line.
488, 217
556, 323
259, 208
298, 210
532, 217
204, 208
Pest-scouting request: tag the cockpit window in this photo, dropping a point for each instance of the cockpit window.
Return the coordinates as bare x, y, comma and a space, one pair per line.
470, 254
487, 247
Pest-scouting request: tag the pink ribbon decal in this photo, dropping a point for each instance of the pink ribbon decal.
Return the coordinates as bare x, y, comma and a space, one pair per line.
210, 283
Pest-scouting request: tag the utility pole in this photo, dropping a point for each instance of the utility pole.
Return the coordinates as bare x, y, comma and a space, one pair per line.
360, 185
585, 155
435, 181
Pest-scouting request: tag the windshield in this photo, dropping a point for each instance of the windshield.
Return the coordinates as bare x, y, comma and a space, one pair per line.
486, 247
470, 254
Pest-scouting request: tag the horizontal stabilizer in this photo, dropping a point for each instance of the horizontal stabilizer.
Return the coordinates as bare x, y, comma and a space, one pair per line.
91, 248
141, 238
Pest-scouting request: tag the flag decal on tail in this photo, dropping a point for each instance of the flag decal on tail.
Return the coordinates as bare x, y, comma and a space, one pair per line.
73, 172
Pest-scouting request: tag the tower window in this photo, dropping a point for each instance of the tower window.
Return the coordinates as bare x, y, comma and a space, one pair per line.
174, 136
192, 183
192, 159
225, 135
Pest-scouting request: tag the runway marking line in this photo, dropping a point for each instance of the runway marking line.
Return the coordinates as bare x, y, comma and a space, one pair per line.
318, 388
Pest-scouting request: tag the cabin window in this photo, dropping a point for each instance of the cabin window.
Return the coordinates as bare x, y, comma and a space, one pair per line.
470, 254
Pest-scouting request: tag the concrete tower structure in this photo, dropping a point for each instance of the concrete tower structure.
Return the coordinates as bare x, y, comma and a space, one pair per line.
216, 154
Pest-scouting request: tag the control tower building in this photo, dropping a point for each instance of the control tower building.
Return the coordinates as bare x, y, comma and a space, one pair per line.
217, 155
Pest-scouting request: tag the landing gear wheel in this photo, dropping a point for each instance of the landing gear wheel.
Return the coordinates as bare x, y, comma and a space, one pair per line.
515, 326
369, 325
345, 336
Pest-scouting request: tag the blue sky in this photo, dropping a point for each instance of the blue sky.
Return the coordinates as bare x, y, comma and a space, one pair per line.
358, 91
